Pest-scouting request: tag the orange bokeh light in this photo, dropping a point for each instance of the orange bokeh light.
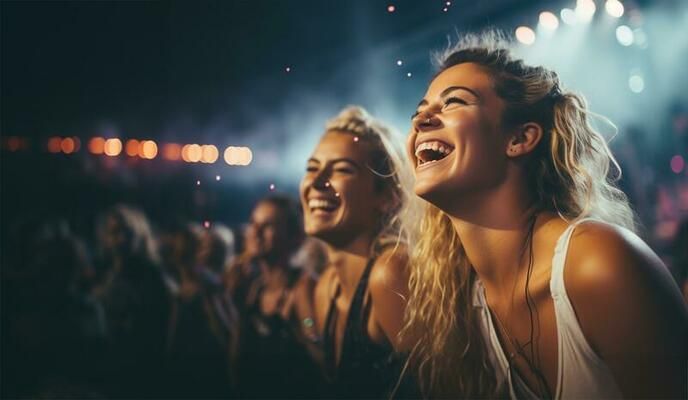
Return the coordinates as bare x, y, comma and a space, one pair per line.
172, 151
148, 149
67, 145
54, 144
96, 145
193, 153
113, 147
209, 154
132, 147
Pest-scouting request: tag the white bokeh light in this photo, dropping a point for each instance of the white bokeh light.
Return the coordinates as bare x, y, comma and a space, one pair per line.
525, 35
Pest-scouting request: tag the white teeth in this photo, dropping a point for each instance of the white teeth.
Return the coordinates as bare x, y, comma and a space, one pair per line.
321, 203
434, 145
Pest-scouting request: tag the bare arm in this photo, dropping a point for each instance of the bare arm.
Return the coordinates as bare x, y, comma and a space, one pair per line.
630, 311
389, 293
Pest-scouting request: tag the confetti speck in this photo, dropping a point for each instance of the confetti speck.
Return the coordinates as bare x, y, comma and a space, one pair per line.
445, 9
217, 177
272, 186
391, 8
206, 224
198, 183
448, 3
408, 74
355, 138
400, 63
288, 69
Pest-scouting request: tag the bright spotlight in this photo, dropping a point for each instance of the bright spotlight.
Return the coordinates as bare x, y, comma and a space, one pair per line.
548, 20
113, 147
525, 35
585, 10
149, 149
194, 153
636, 83
624, 35
614, 8
568, 16
209, 154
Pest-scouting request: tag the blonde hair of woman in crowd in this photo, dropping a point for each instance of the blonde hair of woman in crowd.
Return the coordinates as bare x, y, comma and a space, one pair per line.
351, 194
509, 163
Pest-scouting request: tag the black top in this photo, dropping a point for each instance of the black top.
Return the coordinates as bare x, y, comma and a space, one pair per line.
274, 363
366, 369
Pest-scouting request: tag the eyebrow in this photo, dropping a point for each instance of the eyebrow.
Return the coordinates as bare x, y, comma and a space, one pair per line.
449, 90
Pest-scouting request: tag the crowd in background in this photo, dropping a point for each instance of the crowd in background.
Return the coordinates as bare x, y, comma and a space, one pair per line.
179, 309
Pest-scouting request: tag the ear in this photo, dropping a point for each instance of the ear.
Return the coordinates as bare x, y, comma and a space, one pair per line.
524, 140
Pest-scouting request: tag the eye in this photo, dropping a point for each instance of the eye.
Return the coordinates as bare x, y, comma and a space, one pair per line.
454, 100
311, 168
344, 170
415, 114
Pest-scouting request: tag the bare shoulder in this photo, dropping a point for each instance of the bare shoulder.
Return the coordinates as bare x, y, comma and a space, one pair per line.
621, 291
612, 258
390, 273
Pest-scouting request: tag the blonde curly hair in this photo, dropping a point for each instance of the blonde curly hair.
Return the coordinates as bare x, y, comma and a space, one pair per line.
570, 174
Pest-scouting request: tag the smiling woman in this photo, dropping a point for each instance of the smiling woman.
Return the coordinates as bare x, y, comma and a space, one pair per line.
517, 187
351, 195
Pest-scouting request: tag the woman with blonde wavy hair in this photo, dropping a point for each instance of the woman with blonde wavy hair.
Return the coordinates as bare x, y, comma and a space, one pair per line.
351, 195
527, 278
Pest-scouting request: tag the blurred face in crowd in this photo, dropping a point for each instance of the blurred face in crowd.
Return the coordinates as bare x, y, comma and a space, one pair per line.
338, 194
116, 238
267, 232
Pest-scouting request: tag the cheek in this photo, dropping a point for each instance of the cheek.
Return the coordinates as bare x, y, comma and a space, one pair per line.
411, 147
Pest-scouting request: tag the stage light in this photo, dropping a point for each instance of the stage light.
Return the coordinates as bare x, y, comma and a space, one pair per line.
209, 154
636, 83
54, 144
149, 149
194, 153
525, 35
172, 151
614, 8
568, 16
96, 145
624, 35
230, 155
585, 10
548, 21
131, 148
113, 147
67, 145
246, 156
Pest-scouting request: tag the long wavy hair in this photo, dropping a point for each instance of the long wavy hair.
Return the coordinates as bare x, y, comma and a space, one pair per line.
571, 172
390, 166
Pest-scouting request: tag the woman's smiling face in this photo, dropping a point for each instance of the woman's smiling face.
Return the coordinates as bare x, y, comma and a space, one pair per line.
456, 145
338, 193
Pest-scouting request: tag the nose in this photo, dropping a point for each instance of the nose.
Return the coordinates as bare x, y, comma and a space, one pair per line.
425, 121
322, 180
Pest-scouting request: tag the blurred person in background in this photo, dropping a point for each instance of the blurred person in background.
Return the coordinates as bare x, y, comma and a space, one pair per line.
53, 333
351, 195
278, 340
136, 303
203, 328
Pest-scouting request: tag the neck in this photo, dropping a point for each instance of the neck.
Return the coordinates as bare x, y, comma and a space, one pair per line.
494, 231
349, 262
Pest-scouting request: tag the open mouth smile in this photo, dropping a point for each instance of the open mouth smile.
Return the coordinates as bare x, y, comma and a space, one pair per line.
432, 151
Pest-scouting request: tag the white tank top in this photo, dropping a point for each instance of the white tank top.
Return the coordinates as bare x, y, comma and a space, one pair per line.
581, 374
